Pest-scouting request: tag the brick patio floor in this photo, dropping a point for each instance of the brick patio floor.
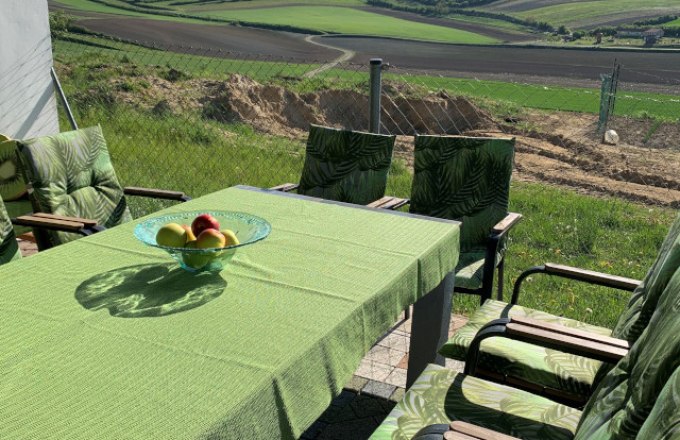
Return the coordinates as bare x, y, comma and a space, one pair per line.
377, 385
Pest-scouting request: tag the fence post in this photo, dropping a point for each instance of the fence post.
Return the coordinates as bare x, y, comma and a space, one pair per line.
610, 85
374, 98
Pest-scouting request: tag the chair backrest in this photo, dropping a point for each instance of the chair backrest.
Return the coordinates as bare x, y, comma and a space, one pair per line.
9, 249
644, 299
346, 166
71, 174
463, 178
12, 184
626, 396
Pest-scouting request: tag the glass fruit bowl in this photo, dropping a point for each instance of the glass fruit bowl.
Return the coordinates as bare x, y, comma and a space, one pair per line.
247, 228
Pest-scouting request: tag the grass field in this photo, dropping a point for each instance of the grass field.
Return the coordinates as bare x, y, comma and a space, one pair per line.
673, 24
582, 14
349, 21
88, 6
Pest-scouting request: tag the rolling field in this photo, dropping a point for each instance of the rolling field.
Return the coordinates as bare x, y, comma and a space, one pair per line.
350, 21
316, 19
585, 14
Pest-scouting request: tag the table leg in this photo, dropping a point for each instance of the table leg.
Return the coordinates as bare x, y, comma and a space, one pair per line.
429, 328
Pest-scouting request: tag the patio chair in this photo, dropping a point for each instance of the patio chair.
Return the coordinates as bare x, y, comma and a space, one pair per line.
637, 397
71, 178
468, 179
9, 249
561, 376
12, 185
344, 165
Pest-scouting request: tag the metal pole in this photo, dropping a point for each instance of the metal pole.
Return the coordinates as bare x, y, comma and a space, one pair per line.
374, 98
62, 98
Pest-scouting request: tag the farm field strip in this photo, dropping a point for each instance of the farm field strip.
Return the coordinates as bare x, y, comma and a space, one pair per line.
349, 21
585, 14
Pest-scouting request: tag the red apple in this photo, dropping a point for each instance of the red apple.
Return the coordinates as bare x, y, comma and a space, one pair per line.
210, 238
203, 222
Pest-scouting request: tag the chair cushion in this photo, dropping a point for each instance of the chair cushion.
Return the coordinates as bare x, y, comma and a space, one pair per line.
466, 179
664, 419
346, 166
628, 393
16, 208
72, 175
440, 395
12, 184
9, 249
470, 269
550, 368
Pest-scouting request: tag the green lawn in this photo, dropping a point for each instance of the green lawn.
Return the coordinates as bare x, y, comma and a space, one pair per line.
349, 21
583, 13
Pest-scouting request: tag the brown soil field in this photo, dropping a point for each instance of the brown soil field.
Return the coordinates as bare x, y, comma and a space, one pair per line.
547, 65
558, 149
231, 40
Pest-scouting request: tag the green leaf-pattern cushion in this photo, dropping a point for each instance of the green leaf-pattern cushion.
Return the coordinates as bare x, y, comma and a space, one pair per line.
644, 299
72, 175
9, 249
663, 422
440, 395
550, 368
625, 397
470, 269
466, 179
346, 166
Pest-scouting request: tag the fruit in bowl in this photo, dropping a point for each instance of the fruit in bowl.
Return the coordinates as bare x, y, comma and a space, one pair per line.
209, 243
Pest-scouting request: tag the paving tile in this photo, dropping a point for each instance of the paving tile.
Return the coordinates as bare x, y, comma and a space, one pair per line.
373, 370
356, 383
397, 378
379, 389
403, 363
385, 355
397, 395
397, 341
357, 429
345, 397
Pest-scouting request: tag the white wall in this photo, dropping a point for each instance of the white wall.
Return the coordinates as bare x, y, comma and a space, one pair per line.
28, 105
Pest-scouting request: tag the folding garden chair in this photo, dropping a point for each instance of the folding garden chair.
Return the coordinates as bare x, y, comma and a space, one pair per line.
548, 370
467, 179
637, 396
344, 165
71, 178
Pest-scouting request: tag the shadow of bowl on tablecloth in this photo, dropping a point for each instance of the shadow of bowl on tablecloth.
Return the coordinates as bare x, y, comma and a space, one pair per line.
149, 290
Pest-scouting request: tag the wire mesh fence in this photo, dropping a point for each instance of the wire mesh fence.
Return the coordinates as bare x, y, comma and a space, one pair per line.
198, 120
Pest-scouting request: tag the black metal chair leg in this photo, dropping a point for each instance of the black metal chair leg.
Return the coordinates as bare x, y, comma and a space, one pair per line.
501, 278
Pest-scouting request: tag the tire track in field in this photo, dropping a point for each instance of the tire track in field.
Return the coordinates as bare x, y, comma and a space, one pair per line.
347, 55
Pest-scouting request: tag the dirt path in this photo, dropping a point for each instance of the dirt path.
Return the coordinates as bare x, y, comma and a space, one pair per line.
345, 57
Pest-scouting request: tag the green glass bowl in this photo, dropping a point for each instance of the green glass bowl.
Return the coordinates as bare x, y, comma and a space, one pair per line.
248, 229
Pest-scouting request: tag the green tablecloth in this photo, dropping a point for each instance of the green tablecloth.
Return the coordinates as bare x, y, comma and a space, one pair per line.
106, 338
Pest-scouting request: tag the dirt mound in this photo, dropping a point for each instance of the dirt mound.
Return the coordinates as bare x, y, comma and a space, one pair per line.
276, 110
558, 148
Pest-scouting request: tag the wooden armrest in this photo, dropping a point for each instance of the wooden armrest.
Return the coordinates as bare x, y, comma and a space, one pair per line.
571, 344
48, 223
155, 193
286, 187
507, 223
388, 202
592, 276
86, 222
557, 328
475, 432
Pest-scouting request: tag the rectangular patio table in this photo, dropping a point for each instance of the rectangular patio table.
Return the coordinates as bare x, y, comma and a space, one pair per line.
106, 338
